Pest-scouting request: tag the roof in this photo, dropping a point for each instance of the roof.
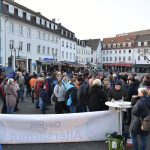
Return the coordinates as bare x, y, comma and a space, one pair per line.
143, 38
119, 39
93, 43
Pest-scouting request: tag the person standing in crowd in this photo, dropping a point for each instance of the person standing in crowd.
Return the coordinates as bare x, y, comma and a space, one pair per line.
143, 79
3, 95
49, 88
131, 90
83, 96
139, 111
117, 92
28, 87
97, 96
18, 92
11, 96
32, 83
44, 97
59, 91
21, 83
71, 96
37, 88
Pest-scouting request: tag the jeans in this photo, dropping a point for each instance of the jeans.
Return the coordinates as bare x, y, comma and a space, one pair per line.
143, 140
72, 108
82, 107
22, 94
10, 110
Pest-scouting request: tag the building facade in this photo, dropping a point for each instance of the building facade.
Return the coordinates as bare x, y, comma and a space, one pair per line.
32, 42
83, 53
96, 52
118, 53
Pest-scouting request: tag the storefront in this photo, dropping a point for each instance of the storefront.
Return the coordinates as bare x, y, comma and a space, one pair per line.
122, 67
142, 68
48, 66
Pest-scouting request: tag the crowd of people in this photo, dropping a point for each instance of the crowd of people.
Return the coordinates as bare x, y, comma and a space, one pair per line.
80, 93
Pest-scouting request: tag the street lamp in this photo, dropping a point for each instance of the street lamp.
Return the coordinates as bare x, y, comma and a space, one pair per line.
15, 57
1, 8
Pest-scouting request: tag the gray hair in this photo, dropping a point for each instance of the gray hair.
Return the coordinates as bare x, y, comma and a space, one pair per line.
143, 90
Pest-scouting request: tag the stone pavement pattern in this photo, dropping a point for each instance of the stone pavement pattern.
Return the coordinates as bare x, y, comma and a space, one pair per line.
27, 107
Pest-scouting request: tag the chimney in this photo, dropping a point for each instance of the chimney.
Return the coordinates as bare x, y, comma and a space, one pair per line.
53, 19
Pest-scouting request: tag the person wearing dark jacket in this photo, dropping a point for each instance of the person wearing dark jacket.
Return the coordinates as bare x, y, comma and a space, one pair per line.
44, 97
132, 90
83, 96
117, 93
139, 111
97, 96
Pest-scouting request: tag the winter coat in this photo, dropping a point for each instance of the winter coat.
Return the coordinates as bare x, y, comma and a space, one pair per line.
83, 91
11, 95
43, 95
132, 90
139, 111
97, 98
71, 95
59, 91
117, 94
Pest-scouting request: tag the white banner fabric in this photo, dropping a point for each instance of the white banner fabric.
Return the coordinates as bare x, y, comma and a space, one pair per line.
56, 128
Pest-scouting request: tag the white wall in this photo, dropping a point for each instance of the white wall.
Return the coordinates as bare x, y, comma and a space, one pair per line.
33, 40
71, 50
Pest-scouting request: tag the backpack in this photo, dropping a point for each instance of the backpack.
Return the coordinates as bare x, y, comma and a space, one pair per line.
145, 123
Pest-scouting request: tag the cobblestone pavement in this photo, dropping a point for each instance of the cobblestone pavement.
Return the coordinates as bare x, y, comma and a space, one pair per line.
27, 107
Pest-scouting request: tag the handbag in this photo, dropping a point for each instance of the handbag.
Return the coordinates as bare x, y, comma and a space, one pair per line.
54, 98
145, 123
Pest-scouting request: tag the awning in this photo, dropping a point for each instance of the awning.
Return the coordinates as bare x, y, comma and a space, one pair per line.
142, 65
119, 64
73, 64
50, 62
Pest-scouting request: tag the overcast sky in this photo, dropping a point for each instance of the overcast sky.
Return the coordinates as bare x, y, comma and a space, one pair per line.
95, 18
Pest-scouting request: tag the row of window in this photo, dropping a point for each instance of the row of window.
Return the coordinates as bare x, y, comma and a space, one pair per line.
146, 43
36, 19
117, 45
68, 45
20, 30
117, 58
68, 55
121, 58
83, 60
42, 50
40, 35
83, 51
116, 51
28, 46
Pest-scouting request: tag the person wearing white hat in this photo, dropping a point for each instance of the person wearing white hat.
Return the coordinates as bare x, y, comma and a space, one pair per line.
11, 96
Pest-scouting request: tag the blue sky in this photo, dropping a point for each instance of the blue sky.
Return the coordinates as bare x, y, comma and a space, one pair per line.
95, 18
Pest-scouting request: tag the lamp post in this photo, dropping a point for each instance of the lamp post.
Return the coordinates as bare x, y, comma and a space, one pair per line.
14, 50
1, 8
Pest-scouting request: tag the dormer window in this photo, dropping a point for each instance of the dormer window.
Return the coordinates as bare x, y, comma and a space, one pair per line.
16, 12
145, 43
104, 46
118, 45
139, 43
109, 45
114, 45
129, 44
124, 44
24, 15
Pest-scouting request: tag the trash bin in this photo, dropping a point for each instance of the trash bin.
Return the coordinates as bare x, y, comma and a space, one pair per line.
115, 142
